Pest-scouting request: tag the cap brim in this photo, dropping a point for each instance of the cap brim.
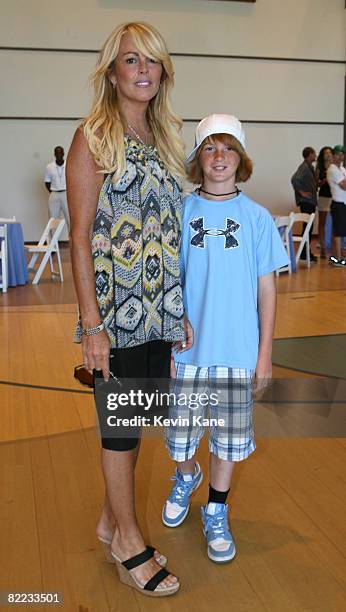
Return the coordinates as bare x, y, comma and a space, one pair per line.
192, 155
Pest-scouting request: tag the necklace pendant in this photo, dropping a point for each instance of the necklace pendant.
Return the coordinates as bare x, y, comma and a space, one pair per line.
136, 134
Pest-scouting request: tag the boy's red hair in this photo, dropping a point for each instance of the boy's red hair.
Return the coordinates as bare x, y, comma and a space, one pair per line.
244, 170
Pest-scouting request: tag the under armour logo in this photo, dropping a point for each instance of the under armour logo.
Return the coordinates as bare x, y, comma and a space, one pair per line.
198, 239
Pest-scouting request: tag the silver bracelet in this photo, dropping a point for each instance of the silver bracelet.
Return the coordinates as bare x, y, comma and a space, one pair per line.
91, 331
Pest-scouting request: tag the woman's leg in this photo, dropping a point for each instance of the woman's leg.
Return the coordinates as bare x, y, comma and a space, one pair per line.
118, 466
118, 470
106, 525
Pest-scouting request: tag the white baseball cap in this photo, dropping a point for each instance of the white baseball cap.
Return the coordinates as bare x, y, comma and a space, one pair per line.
217, 124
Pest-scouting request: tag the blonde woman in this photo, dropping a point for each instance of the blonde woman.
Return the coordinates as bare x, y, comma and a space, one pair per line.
124, 174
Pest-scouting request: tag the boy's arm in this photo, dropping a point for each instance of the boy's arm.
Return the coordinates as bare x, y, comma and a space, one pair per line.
266, 313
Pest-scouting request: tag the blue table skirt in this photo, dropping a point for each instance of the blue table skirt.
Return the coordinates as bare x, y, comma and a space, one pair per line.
17, 266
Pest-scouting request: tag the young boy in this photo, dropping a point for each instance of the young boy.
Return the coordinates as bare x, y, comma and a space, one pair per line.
230, 249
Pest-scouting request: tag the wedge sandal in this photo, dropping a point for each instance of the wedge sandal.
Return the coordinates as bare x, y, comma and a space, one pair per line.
152, 587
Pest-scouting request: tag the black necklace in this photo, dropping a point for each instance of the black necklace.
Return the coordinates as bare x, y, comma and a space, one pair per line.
237, 191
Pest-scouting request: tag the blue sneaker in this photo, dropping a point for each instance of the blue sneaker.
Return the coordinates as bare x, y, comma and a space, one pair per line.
177, 505
221, 547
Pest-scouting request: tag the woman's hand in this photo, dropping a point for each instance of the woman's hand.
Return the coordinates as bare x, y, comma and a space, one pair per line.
95, 351
173, 372
181, 346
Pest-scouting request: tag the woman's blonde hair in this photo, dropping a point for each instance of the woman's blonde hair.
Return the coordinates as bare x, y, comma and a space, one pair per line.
104, 127
244, 170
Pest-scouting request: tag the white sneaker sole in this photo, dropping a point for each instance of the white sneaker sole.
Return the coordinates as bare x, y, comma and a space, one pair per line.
223, 560
182, 519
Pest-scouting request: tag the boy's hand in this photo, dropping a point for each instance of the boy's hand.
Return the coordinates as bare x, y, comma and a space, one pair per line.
266, 310
263, 375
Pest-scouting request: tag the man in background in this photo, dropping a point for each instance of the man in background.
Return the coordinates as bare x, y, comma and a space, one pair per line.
55, 182
305, 189
336, 177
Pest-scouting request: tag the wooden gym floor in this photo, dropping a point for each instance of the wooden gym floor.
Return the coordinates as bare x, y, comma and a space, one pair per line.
287, 500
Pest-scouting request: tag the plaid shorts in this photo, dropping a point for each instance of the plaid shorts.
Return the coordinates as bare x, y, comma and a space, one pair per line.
220, 395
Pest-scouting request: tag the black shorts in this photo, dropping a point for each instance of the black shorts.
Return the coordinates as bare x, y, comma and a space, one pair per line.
147, 361
338, 212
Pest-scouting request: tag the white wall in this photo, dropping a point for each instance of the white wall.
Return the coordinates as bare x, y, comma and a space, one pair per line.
56, 84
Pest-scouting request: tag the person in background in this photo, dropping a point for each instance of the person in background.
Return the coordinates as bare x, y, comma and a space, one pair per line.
305, 189
336, 176
55, 182
325, 158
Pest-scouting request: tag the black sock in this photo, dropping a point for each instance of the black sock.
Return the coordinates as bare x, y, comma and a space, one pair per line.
217, 497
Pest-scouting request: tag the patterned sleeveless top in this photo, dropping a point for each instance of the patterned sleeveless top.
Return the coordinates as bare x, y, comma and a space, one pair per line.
135, 249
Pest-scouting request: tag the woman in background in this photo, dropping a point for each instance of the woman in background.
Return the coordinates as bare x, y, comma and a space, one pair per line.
325, 158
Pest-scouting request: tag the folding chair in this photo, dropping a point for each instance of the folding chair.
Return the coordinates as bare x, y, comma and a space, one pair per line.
284, 225
48, 244
3, 258
303, 240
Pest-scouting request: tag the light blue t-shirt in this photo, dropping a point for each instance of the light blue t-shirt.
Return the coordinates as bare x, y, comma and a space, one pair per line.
225, 247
